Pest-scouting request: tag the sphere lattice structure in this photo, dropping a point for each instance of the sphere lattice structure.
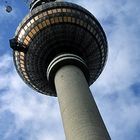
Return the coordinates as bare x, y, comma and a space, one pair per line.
56, 28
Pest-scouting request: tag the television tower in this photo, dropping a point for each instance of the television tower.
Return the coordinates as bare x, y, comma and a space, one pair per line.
60, 49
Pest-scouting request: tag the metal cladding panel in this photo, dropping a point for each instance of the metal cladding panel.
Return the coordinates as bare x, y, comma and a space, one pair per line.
55, 28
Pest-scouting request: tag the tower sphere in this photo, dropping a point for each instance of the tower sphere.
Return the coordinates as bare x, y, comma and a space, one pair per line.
56, 28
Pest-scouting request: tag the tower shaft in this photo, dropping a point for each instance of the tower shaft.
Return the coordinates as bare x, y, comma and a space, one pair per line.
80, 115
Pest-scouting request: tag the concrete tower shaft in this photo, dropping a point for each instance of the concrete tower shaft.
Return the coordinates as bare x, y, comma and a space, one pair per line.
80, 115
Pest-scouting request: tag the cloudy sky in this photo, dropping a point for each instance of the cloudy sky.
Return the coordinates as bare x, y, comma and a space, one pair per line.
27, 115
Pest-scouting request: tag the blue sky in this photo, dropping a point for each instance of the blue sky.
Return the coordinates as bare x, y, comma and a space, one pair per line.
27, 115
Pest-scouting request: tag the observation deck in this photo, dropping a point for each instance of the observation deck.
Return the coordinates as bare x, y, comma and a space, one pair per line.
52, 29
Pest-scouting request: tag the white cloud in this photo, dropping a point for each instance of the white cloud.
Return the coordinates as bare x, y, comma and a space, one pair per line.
122, 67
117, 101
26, 105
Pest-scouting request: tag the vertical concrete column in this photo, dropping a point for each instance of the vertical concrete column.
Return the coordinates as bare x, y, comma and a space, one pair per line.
81, 118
